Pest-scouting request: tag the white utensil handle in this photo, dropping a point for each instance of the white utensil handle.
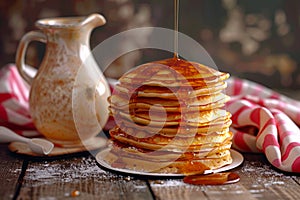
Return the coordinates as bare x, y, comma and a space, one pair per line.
7, 135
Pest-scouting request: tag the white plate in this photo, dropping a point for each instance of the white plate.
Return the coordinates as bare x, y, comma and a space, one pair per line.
237, 159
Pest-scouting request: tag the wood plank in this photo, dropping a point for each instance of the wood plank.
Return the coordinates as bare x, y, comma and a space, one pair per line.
258, 181
177, 189
61, 179
10, 170
297, 179
264, 182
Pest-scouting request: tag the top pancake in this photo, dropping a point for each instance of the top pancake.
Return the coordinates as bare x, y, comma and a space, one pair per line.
173, 73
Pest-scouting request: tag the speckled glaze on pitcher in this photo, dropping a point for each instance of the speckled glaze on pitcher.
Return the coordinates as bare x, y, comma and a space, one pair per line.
68, 95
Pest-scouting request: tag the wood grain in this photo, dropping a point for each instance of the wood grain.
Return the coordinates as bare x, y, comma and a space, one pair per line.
258, 181
81, 178
61, 179
177, 189
10, 170
265, 182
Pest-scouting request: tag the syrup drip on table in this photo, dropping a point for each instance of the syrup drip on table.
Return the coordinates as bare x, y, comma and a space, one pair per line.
212, 179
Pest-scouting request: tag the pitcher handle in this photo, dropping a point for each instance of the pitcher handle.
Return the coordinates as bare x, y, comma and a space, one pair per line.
21, 52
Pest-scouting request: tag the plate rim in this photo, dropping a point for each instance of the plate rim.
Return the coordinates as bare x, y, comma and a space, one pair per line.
237, 160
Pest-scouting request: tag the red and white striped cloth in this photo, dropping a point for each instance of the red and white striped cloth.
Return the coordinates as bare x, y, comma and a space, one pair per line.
14, 108
274, 116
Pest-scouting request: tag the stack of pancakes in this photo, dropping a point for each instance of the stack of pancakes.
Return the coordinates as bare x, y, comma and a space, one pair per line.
170, 118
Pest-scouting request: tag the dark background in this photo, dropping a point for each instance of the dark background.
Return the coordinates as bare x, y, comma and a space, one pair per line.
253, 39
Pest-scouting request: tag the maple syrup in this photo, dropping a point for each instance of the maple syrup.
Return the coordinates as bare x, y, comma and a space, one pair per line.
212, 179
119, 163
170, 76
176, 13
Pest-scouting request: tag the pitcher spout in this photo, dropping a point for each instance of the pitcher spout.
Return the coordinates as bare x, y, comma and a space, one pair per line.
94, 20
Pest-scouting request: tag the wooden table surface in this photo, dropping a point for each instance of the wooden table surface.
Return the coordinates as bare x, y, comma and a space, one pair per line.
79, 177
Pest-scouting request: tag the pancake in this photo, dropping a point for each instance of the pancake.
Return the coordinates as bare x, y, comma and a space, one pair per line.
176, 131
192, 119
215, 126
177, 144
123, 99
170, 118
127, 150
173, 73
202, 116
166, 92
186, 167
147, 131
208, 102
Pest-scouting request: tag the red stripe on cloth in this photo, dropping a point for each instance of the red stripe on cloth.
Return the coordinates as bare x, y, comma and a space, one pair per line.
14, 88
255, 116
11, 83
276, 163
15, 126
3, 114
239, 141
269, 140
231, 101
29, 125
288, 149
237, 86
261, 102
236, 115
4, 96
109, 124
16, 79
296, 165
268, 123
274, 95
277, 112
298, 118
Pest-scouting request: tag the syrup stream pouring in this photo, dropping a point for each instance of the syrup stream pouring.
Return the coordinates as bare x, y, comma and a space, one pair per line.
37, 145
176, 13
210, 177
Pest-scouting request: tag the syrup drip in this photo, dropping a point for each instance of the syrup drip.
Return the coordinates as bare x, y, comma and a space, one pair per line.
179, 68
212, 179
186, 75
119, 163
